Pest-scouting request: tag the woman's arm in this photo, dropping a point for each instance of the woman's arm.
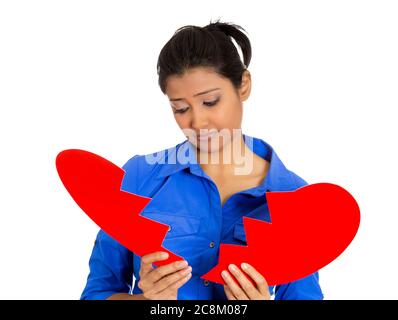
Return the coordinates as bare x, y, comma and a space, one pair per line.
126, 296
111, 269
111, 264
307, 288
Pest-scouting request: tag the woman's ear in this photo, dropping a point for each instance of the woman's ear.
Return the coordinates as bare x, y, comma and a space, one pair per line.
246, 85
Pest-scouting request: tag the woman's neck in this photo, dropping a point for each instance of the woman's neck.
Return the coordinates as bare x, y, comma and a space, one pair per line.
235, 158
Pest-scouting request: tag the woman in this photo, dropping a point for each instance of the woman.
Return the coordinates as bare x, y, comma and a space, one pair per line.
203, 186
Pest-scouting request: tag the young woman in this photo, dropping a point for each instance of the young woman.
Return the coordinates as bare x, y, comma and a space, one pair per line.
202, 196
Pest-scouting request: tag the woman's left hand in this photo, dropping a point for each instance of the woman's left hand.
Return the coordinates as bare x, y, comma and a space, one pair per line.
245, 290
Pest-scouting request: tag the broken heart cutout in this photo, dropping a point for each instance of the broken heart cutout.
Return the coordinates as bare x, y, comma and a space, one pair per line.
310, 227
94, 183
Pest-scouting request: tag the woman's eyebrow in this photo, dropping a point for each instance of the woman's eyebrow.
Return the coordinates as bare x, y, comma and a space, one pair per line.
197, 94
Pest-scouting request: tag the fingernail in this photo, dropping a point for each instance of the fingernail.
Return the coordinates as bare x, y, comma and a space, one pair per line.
182, 264
232, 267
189, 269
164, 255
224, 274
244, 266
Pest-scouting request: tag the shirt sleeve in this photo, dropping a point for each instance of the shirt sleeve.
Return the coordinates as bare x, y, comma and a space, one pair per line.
111, 269
307, 288
111, 264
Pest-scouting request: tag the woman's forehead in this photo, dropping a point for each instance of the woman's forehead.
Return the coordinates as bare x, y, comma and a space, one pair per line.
194, 82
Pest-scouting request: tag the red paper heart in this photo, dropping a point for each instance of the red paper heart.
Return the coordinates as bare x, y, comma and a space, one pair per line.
309, 228
94, 183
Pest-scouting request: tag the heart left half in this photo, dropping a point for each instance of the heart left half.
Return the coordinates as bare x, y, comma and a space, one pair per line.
95, 185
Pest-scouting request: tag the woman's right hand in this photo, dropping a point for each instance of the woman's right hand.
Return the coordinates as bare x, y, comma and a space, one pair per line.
162, 283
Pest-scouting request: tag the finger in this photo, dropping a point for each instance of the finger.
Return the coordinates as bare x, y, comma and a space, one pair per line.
260, 281
165, 270
178, 284
147, 260
251, 292
171, 279
229, 293
236, 290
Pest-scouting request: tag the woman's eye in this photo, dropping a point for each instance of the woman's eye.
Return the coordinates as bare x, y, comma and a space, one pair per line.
180, 110
211, 103
206, 103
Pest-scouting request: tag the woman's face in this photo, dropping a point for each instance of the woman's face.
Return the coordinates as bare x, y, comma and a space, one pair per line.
207, 107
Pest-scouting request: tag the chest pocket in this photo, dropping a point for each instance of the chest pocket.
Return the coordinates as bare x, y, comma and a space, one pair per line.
239, 233
179, 226
260, 213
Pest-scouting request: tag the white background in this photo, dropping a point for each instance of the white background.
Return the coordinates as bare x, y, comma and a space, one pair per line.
82, 74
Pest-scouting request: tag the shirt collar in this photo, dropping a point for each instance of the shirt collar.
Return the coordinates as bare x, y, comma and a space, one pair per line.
278, 178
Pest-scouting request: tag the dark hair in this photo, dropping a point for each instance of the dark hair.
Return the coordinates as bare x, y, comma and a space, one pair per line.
209, 46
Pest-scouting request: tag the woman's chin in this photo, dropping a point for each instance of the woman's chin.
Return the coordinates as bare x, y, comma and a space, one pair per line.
207, 147
210, 145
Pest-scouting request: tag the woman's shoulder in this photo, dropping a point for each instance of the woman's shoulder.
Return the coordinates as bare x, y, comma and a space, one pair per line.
151, 160
285, 178
298, 181
145, 167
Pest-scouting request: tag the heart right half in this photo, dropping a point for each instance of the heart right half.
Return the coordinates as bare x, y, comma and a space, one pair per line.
310, 227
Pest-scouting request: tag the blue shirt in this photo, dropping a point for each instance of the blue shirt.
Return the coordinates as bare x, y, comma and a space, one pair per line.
186, 198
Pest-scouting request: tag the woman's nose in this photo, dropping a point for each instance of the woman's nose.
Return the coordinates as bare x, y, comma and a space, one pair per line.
199, 120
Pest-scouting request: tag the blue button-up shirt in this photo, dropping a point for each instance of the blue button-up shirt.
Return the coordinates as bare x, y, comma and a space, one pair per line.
187, 199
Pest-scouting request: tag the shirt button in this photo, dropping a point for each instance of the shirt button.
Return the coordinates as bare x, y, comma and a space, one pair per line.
206, 283
212, 244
